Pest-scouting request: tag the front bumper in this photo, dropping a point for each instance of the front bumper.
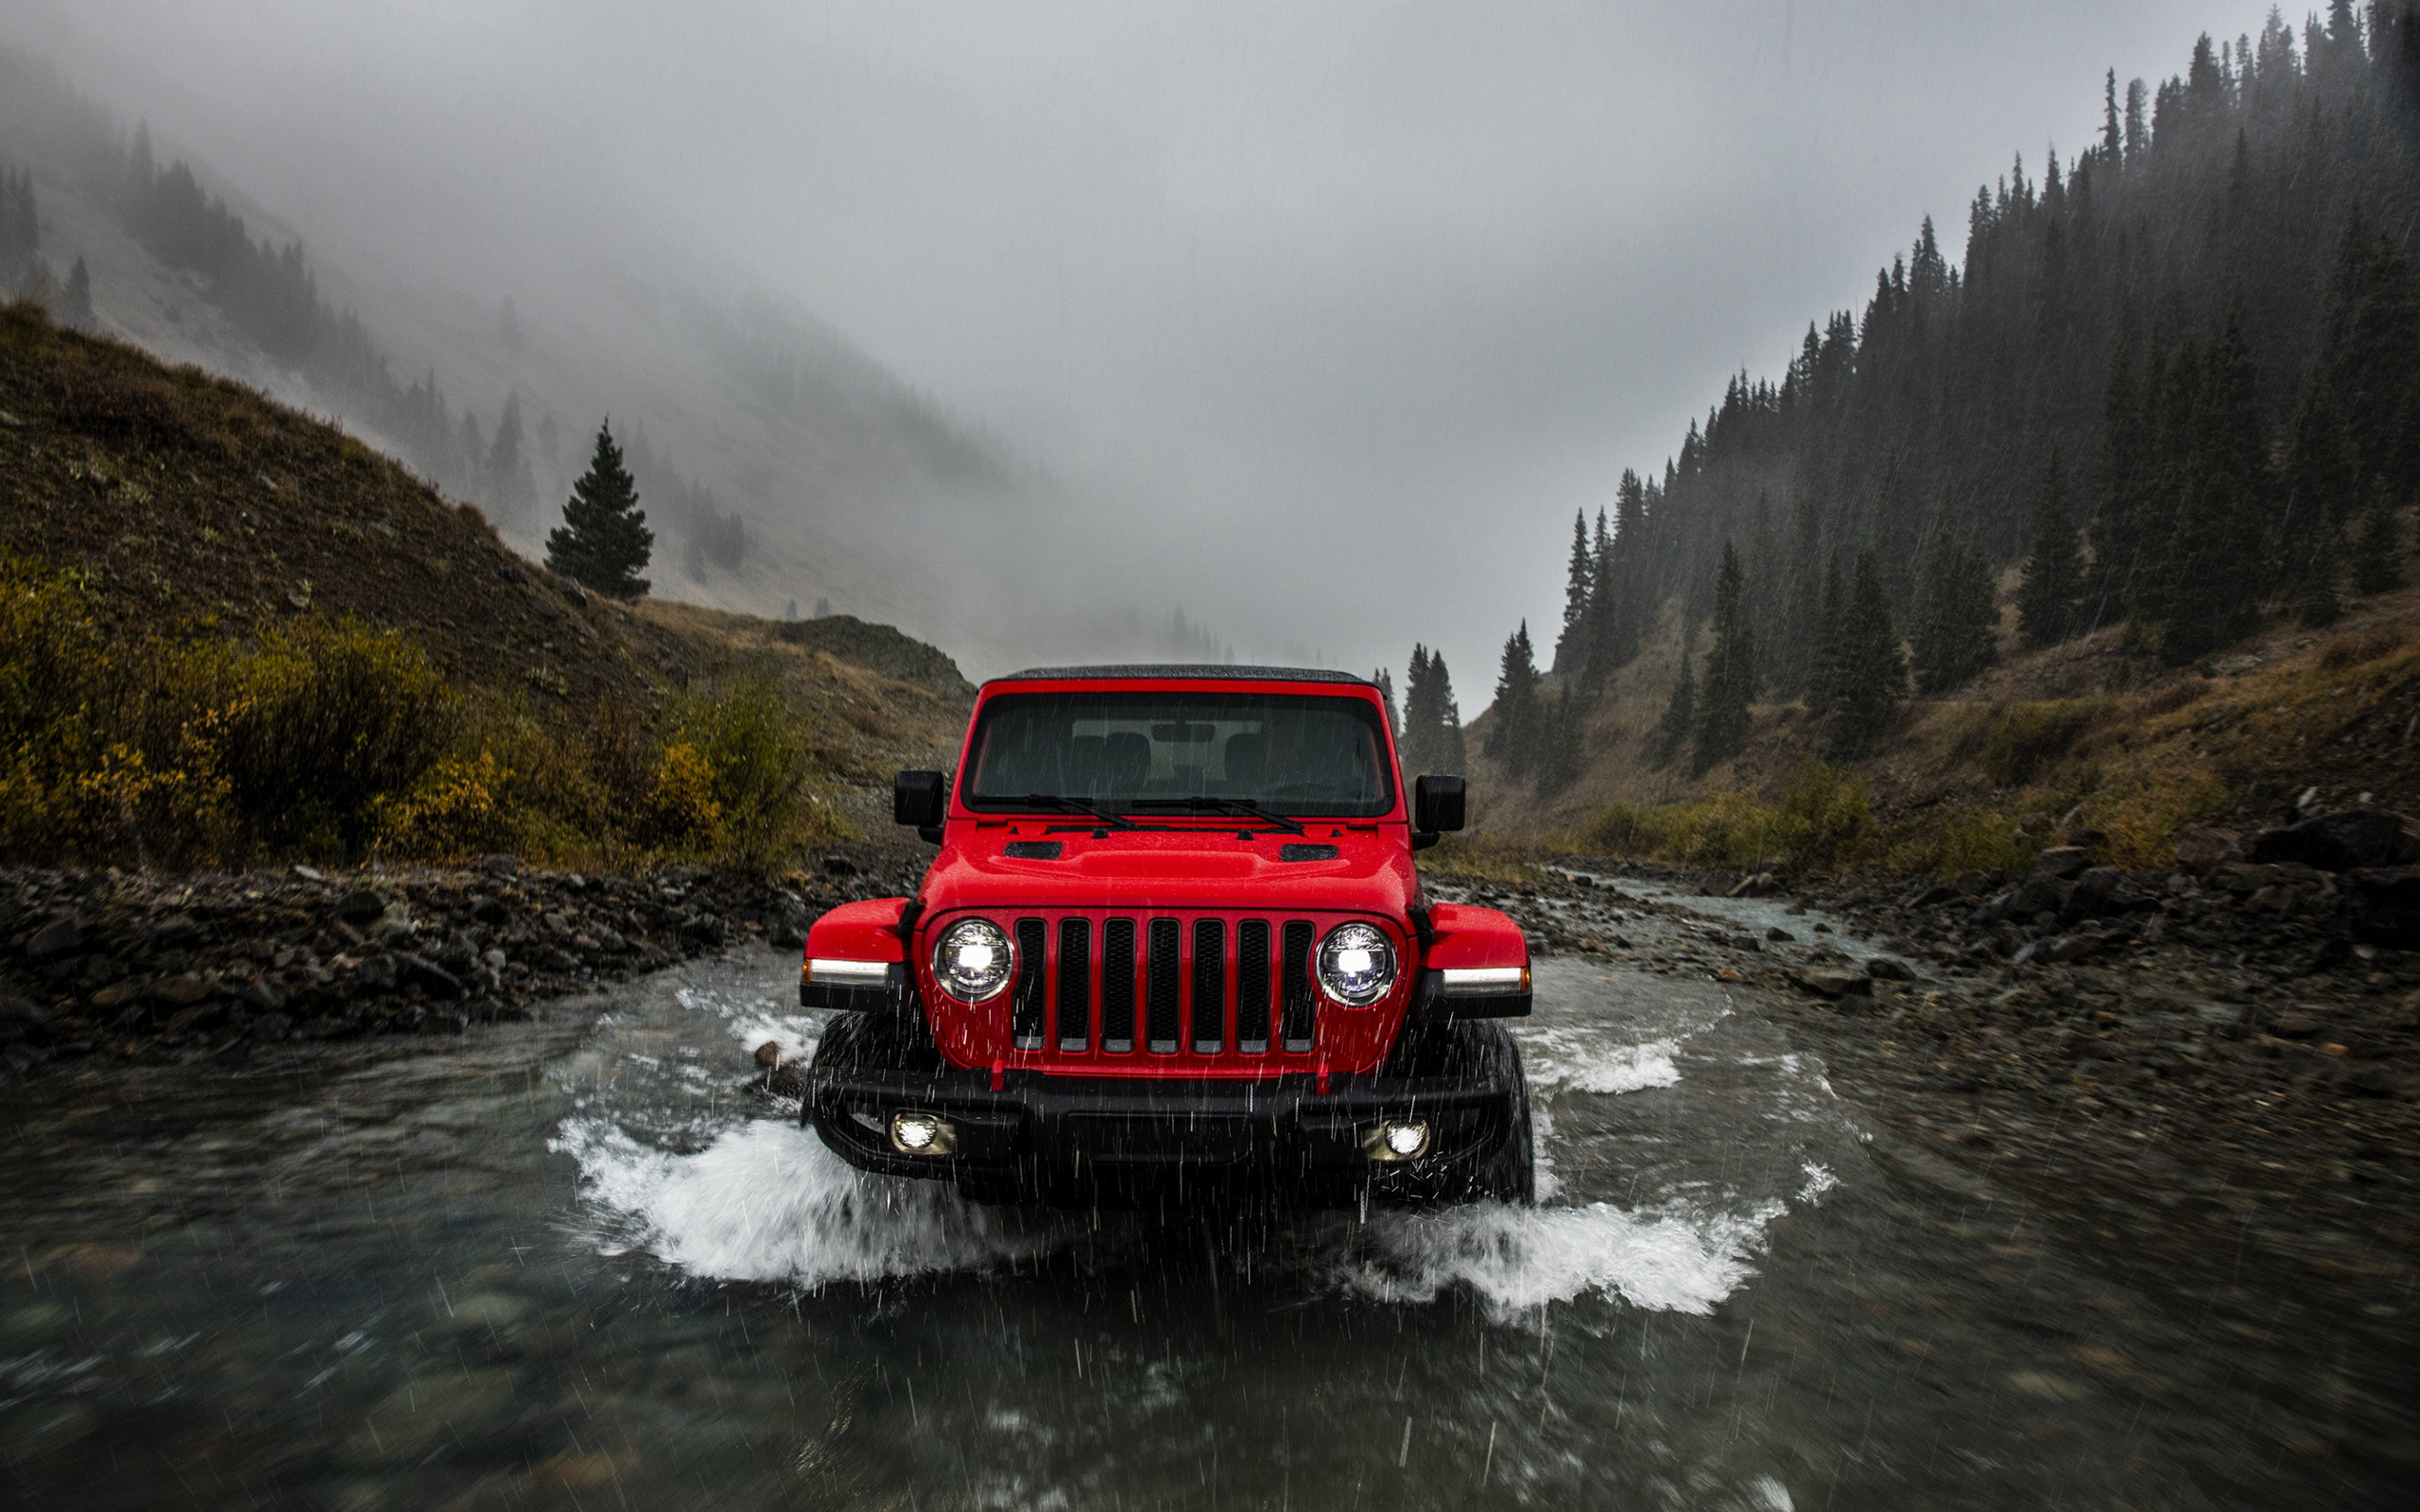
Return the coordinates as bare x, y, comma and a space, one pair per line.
1061, 1139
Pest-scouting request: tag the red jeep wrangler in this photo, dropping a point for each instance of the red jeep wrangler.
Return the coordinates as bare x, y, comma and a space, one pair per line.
1174, 940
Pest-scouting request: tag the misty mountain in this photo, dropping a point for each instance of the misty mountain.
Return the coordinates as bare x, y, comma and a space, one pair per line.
2178, 372
778, 463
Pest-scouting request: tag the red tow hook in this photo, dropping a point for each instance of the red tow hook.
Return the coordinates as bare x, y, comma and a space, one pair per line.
999, 1075
1322, 1078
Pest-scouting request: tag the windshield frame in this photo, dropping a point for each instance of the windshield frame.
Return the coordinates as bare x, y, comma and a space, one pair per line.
1239, 693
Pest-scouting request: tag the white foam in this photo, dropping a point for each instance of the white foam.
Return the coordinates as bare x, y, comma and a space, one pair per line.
1577, 1061
1677, 1259
1819, 1180
757, 1020
766, 1201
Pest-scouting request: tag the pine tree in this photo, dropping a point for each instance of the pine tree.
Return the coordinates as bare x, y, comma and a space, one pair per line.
1570, 648
603, 541
2370, 342
1730, 670
76, 300
1956, 629
1514, 739
1384, 679
1874, 679
2321, 487
1433, 728
1680, 714
511, 490
2214, 569
2048, 594
1561, 742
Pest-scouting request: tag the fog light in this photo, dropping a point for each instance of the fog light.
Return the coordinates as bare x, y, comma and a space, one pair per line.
1397, 1142
922, 1134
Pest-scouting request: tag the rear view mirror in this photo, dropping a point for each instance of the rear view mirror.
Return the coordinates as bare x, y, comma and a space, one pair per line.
920, 798
1437, 804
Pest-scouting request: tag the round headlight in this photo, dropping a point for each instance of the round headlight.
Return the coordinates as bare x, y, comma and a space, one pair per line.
973, 960
1357, 965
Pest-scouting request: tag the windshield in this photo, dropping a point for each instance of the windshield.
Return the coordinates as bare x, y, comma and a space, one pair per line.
1289, 753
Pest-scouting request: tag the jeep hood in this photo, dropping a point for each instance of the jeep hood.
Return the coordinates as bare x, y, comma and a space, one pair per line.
1360, 867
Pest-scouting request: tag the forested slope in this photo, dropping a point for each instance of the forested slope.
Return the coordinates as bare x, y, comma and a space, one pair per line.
2168, 399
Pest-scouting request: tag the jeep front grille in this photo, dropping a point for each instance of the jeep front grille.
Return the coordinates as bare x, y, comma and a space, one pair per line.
1208, 988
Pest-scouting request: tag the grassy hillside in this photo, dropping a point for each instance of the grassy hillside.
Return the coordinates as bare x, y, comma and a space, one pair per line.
2079, 743
188, 564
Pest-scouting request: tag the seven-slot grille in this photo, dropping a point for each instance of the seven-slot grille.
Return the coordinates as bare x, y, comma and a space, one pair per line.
1203, 985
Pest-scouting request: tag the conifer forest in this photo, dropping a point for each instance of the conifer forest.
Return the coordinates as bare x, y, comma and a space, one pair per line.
2173, 380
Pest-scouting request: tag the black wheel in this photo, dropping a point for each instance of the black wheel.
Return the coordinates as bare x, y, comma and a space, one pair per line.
1510, 1175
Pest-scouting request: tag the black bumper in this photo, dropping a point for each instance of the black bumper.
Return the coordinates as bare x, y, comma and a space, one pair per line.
1063, 1139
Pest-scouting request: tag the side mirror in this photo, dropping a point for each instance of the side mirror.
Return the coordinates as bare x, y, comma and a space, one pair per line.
921, 799
1437, 804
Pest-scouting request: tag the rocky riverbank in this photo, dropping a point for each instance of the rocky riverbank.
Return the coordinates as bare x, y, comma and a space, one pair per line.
147, 965
2210, 1075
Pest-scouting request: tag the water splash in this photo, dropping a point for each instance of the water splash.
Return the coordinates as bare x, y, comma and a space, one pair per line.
1674, 1258
766, 1201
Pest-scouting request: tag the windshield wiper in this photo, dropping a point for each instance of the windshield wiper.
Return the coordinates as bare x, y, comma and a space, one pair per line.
1061, 803
1199, 804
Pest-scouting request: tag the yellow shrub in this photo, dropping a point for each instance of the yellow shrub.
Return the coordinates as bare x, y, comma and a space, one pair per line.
455, 809
682, 811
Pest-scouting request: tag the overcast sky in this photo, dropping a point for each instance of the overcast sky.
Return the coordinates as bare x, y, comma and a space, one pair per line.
1355, 301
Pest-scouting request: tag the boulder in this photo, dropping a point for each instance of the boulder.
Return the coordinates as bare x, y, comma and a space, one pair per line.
1833, 981
2200, 847
2101, 891
360, 908
2382, 904
58, 937
1883, 968
2362, 835
2060, 861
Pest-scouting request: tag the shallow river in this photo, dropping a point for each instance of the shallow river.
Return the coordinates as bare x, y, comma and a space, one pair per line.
580, 1264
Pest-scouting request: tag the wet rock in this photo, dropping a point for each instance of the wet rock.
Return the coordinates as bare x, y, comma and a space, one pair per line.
1883, 968
768, 1054
182, 991
59, 937
425, 972
20, 1020
1778, 934
1833, 981
2060, 863
360, 908
501, 865
2200, 847
2362, 835
2382, 904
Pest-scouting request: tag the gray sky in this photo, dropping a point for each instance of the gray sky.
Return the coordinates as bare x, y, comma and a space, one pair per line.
1355, 303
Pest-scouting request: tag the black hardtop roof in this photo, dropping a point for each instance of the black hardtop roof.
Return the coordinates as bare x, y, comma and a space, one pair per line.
1204, 670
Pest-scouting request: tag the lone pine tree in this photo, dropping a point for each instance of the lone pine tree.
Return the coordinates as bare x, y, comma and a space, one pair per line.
604, 543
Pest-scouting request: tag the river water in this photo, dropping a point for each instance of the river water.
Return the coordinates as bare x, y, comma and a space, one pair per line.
579, 1264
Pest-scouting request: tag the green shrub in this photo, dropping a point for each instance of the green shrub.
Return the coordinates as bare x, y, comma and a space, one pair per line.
323, 722
736, 767
1822, 820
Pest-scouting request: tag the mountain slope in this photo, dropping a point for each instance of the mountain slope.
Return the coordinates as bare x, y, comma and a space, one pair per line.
780, 464
192, 507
